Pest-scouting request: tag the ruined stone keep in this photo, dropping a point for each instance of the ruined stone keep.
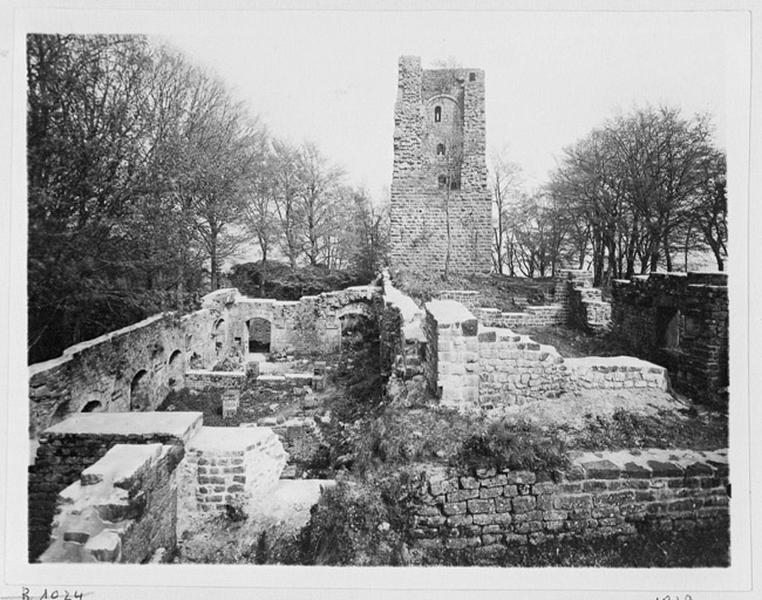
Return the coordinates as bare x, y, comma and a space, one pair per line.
439, 181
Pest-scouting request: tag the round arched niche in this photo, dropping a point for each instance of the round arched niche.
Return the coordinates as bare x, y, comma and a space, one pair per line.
140, 391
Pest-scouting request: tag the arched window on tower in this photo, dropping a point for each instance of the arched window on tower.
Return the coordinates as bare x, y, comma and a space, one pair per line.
440, 149
437, 114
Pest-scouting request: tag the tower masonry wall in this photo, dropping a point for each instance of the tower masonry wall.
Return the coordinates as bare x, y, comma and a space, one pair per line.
439, 183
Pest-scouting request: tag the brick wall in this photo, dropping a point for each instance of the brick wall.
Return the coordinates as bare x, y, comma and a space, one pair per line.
679, 321
600, 495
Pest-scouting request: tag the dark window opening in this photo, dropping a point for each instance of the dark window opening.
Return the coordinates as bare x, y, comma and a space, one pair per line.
259, 335
440, 149
437, 114
92, 406
668, 327
442, 180
454, 184
472, 76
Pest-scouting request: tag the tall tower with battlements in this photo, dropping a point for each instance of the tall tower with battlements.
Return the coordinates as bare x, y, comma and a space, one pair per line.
439, 183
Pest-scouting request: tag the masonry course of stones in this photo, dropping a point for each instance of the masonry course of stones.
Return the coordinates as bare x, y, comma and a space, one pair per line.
693, 307
419, 206
602, 494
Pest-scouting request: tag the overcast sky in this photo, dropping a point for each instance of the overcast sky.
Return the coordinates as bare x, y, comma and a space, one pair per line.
331, 77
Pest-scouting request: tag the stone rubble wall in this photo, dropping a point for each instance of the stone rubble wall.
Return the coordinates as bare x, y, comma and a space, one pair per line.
165, 346
65, 452
601, 495
698, 362
123, 508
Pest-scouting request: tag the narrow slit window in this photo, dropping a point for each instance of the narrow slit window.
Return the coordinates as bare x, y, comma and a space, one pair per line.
472, 76
442, 181
440, 149
437, 114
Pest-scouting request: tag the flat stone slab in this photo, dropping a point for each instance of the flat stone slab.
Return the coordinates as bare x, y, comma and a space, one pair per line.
181, 425
588, 362
120, 464
230, 439
449, 311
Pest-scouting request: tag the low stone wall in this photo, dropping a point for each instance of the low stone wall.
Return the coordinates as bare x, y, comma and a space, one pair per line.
68, 448
615, 372
122, 509
532, 316
600, 495
227, 466
198, 379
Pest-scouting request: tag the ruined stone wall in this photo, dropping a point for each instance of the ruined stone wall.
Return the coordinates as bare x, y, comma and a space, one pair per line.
98, 375
471, 367
422, 207
600, 495
123, 508
679, 321
134, 368
67, 449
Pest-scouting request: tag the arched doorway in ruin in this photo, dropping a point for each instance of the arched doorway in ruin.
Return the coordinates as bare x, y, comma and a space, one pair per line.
175, 370
218, 337
140, 396
260, 332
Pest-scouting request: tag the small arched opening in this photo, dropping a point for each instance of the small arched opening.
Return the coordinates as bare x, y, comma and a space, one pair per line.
440, 149
140, 397
92, 406
437, 114
260, 333
175, 370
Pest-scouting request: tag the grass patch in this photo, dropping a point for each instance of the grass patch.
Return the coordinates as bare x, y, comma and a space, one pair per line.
667, 429
515, 445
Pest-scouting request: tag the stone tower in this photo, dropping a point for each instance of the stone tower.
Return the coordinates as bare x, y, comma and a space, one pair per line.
439, 182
